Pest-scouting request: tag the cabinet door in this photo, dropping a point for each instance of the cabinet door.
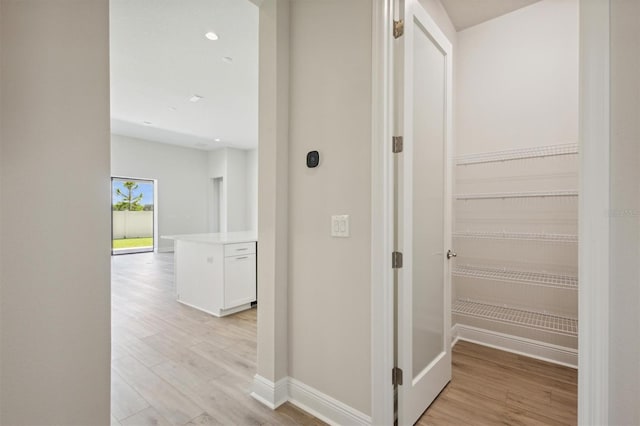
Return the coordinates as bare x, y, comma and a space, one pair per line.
239, 280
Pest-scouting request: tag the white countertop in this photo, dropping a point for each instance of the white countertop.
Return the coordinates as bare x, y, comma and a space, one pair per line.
216, 238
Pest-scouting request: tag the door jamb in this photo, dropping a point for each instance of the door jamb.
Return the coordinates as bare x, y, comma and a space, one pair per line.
382, 215
593, 214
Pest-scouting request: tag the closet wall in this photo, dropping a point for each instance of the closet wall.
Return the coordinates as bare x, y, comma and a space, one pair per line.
516, 172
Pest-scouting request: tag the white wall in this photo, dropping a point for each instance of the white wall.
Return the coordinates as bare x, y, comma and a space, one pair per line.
181, 175
54, 282
438, 13
516, 79
217, 200
238, 170
329, 278
236, 190
185, 184
252, 189
624, 302
217, 163
517, 87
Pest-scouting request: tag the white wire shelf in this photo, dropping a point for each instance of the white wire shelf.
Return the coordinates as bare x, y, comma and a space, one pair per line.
506, 275
518, 154
534, 320
530, 194
559, 238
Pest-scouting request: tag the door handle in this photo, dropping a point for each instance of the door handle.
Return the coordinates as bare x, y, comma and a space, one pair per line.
451, 254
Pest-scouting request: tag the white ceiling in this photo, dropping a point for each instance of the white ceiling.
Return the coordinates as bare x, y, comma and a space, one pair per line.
160, 58
467, 13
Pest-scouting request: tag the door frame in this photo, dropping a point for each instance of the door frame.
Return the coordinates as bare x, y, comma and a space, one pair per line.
382, 211
382, 214
593, 354
594, 213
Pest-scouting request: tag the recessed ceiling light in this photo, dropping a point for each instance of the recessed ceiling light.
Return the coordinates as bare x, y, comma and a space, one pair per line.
217, 139
147, 123
195, 98
211, 36
227, 59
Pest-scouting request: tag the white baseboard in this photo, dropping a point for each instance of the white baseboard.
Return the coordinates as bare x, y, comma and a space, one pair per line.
518, 345
270, 394
323, 406
335, 412
455, 337
308, 399
217, 313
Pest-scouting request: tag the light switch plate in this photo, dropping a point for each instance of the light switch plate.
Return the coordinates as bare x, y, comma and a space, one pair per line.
340, 226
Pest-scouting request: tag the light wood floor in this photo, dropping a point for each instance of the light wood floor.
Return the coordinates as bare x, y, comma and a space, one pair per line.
492, 387
172, 364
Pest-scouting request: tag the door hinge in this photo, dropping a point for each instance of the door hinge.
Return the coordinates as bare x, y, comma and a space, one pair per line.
396, 376
396, 260
398, 28
398, 144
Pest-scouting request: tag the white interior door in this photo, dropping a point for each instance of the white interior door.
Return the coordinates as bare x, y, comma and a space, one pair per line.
424, 215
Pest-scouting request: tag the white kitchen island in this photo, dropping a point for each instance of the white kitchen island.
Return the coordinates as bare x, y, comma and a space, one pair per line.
216, 273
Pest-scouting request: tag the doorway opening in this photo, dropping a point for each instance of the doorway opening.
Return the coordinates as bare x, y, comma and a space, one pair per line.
184, 110
511, 274
216, 219
133, 211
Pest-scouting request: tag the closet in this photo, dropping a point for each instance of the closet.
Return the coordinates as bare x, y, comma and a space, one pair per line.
514, 281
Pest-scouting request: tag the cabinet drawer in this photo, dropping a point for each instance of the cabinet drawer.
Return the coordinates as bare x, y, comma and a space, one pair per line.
239, 280
239, 249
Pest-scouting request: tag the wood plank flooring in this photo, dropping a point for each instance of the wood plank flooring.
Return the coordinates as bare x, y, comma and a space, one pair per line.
492, 387
174, 365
